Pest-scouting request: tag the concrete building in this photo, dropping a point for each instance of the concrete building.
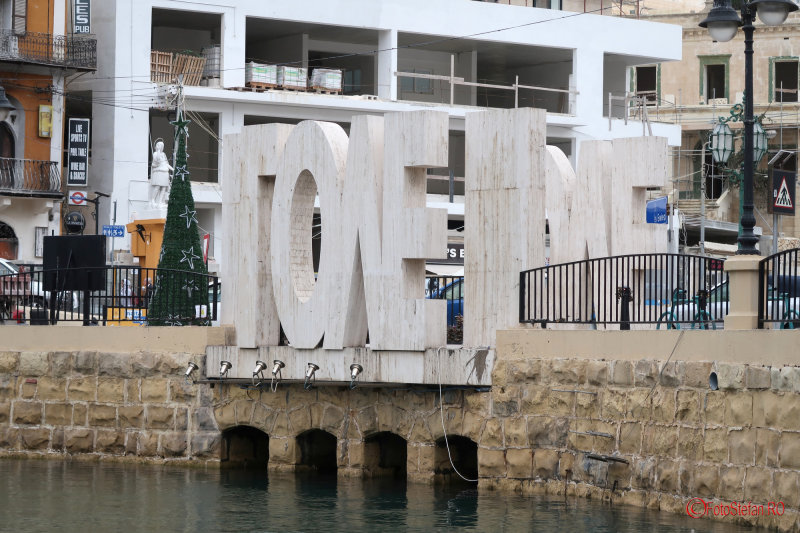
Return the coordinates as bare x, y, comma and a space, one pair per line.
451, 55
696, 91
38, 55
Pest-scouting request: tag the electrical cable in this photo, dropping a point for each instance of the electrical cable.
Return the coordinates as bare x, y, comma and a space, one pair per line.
441, 411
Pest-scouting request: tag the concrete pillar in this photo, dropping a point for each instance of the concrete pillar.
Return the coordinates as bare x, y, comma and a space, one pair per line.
743, 291
233, 45
387, 64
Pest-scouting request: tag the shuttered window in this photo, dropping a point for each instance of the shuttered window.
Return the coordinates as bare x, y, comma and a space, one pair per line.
19, 18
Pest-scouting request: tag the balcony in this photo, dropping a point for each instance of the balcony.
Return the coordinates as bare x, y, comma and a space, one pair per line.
26, 177
68, 51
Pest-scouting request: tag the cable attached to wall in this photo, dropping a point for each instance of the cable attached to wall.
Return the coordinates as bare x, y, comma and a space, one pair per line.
441, 411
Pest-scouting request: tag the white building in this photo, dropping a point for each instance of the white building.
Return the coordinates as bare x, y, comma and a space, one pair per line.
491, 47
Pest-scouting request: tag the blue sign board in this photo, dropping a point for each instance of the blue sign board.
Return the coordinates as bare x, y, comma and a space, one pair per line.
113, 231
657, 211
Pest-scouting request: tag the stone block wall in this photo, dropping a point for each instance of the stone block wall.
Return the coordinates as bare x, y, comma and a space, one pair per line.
678, 438
106, 404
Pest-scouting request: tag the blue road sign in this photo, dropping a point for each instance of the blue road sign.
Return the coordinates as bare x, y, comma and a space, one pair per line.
113, 231
657, 211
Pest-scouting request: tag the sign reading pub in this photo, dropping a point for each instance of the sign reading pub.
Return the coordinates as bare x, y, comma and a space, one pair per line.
78, 152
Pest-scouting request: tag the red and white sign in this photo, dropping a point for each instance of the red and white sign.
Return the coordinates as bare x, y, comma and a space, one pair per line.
77, 198
206, 238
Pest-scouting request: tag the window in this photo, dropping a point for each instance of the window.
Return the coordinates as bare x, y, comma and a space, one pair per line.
715, 82
417, 85
647, 83
352, 82
785, 81
19, 17
548, 4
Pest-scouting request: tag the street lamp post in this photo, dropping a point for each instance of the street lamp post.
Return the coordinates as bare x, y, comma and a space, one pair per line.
722, 23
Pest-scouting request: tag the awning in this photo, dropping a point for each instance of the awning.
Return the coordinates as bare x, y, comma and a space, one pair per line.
444, 270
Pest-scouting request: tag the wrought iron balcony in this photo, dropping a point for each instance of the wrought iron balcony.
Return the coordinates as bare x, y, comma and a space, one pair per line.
26, 177
68, 51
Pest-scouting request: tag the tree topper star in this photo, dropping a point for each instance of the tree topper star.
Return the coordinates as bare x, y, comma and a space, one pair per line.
189, 215
188, 257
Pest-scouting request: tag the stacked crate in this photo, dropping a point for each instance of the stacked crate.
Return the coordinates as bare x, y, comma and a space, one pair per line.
160, 66
326, 79
293, 78
260, 75
213, 55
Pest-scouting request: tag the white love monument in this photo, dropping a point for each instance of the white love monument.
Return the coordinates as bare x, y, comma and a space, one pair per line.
378, 232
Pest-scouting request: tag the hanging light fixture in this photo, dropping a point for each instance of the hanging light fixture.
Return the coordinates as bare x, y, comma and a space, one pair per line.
759, 142
722, 21
721, 143
224, 366
6, 107
773, 12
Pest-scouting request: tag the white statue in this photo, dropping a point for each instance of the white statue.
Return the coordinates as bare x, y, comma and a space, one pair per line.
159, 177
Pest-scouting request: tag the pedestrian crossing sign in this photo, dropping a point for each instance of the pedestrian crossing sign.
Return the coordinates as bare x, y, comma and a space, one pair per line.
783, 193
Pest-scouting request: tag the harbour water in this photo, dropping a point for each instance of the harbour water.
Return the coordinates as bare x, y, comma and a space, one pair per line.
47, 496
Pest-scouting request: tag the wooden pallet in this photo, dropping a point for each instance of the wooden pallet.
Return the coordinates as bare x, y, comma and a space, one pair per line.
324, 90
260, 86
160, 66
190, 66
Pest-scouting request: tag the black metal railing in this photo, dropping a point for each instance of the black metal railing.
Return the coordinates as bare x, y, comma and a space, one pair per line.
779, 290
27, 176
37, 296
71, 51
668, 290
450, 289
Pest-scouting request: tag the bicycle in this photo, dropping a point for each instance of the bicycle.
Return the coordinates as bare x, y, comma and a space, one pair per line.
702, 319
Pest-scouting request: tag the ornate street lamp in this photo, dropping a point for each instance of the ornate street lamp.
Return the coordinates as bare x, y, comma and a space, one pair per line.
722, 23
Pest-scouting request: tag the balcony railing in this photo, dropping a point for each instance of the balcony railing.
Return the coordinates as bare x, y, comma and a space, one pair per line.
68, 51
28, 177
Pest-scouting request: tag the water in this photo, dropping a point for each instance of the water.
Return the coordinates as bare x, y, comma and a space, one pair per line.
68, 497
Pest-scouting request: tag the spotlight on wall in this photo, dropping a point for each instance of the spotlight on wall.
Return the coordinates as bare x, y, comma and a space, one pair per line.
277, 364
258, 372
190, 369
310, 376
355, 371
224, 366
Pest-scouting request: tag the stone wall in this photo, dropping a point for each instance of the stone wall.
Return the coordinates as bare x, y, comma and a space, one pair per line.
105, 404
553, 424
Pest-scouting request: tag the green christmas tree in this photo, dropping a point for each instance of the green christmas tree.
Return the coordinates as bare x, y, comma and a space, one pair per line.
181, 282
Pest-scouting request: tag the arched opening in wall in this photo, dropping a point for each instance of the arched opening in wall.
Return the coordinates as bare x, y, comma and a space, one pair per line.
9, 244
317, 451
464, 452
712, 174
385, 455
244, 447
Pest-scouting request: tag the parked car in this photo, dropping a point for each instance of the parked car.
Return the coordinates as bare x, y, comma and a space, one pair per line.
453, 292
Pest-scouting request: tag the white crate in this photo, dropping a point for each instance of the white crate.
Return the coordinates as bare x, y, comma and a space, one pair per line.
213, 55
327, 79
261, 73
293, 77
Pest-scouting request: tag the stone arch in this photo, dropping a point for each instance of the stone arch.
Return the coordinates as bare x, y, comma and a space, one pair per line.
464, 453
9, 244
385, 455
244, 446
317, 449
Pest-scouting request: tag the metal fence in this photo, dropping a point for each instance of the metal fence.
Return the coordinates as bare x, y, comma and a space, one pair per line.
75, 51
37, 296
27, 176
779, 290
667, 290
450, 289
